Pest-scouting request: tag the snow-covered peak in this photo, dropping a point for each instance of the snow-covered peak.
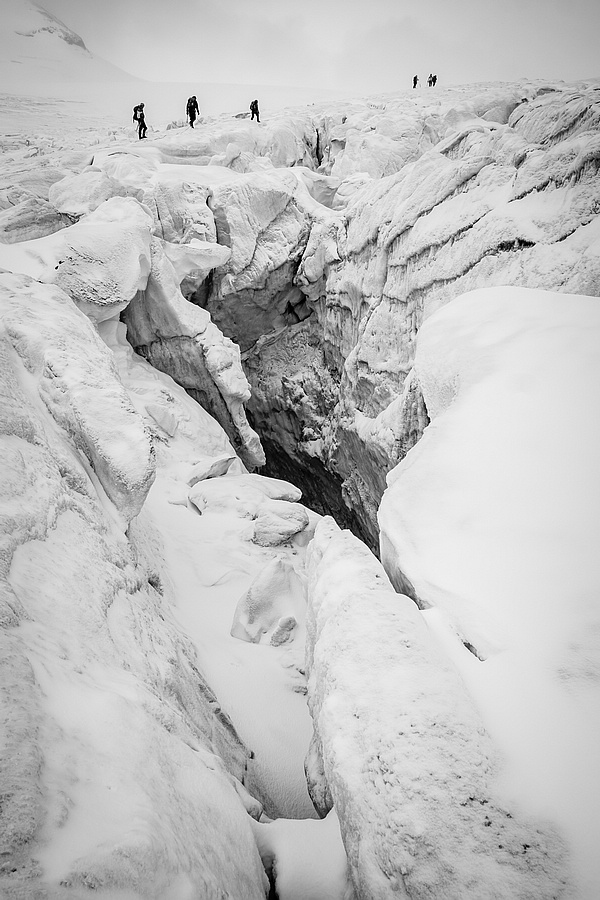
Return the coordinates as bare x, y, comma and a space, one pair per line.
32, 19
38, 50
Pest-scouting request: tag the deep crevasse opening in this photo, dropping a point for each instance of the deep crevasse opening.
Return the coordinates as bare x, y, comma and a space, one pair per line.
261, 686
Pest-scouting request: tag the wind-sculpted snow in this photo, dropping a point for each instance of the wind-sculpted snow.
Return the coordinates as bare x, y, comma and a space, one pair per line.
78, 194
557, 115
180, 338
29, 219
100, 262
104, 261
75, 377
411, 771
286, 140
264, 221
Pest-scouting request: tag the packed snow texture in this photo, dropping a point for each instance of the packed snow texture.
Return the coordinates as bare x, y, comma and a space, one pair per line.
412, 773
74, 376
493, 517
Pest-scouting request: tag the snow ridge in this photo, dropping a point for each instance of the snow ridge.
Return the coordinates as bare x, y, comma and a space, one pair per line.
410, 768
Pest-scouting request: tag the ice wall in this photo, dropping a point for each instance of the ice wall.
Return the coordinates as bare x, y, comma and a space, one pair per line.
119, 769
493, 518
329, 235
401, 751
491, 202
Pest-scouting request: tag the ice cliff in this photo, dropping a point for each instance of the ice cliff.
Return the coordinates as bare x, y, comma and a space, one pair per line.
307, 294
346, 227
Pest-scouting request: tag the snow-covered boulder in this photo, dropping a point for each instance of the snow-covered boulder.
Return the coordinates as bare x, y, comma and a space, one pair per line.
413, 775
493, 519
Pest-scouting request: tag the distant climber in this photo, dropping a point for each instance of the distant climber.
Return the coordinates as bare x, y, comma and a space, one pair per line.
192, 110
434, 80
415, 81
430, 80
138, 116
254, 111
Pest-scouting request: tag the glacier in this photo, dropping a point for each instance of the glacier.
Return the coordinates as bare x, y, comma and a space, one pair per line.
299, 500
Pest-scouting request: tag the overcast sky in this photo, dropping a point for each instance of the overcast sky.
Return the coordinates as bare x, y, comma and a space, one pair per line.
371, 45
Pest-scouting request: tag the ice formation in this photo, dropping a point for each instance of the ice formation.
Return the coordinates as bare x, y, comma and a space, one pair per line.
192, 657
407, 762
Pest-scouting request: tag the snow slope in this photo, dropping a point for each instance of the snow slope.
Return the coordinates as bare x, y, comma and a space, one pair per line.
38, 50
493, 517
41, 57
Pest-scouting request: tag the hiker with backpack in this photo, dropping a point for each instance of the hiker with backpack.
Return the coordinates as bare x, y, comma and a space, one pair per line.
254, 111
138, 116
192, 110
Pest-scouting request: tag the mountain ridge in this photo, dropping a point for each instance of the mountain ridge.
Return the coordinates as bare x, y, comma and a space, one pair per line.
38, 50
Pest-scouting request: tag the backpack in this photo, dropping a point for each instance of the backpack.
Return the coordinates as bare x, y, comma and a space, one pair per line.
136, 113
